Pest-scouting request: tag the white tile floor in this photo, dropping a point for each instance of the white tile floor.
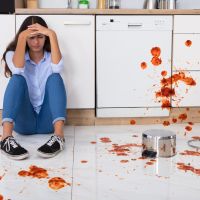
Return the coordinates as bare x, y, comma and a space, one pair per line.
103, 177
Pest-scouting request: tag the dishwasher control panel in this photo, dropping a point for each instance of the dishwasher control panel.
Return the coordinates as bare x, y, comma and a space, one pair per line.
131, 22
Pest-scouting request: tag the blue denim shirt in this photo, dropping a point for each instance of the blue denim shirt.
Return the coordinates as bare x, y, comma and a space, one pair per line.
36, 75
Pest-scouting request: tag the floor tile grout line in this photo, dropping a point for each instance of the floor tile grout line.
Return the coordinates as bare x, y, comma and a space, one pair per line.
73, 166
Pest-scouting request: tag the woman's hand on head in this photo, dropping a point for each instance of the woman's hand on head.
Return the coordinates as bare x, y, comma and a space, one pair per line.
39, 29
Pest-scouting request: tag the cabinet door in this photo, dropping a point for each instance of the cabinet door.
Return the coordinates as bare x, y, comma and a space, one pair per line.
6, 36
187, 96
186, 48
76, 39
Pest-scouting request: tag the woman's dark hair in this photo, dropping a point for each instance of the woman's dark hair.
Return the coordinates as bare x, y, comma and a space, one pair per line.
12, 46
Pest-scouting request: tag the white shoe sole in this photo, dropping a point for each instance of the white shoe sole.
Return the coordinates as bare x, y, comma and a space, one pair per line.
18, 157
47, 155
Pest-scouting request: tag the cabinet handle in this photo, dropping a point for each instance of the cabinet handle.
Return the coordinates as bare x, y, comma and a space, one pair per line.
77, 22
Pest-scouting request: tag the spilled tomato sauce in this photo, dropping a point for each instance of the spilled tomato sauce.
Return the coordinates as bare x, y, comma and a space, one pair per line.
188, 43
57, 183
188, 128
105, 140
166, 123
186, 168
190, 153
132, 122
156, 61
174, 120
182, 116
196, 137
143, 65
124, 161
84, 161
155, 51
1, 197
164, 73
191, 123
35, 172
93, 142
123, 150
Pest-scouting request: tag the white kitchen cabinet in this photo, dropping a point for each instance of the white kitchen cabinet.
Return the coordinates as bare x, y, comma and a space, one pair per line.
6, 36
76, 39
186, 48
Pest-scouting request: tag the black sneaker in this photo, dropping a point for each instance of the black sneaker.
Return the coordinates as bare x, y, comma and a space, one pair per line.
12, 149
52, 147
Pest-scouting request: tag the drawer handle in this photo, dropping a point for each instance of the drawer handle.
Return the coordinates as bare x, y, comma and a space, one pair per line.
77, 23
135, 24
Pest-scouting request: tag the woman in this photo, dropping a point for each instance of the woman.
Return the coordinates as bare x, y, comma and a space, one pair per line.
35, 98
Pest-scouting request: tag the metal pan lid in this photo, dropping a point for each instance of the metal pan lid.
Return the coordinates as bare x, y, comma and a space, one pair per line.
159, 133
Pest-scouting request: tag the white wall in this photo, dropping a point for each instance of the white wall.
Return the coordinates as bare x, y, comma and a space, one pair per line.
188, 4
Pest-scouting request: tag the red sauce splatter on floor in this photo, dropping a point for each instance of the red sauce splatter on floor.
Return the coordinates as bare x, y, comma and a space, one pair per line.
2, 176
166, 104
84, 161
123, 150
149, 163
188, 128
156, 61
186, 168
134, 135
196, 137
156, 51
182, 116
1, 197
188, 43
190, 153
164, 73
132, 122
124, 161
105, 140
187, 109
35, 172
143, 65
57, 183
166, 123
174, 120
93, 142
142, 158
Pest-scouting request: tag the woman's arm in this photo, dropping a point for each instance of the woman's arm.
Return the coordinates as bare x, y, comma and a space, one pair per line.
19, 54
55, 50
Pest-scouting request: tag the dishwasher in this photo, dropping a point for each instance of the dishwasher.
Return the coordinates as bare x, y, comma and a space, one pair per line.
123, 43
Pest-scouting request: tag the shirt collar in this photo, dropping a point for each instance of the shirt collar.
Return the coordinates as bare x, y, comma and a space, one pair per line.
27, 57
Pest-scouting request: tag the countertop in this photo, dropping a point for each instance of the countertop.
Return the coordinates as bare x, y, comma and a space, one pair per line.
106, 11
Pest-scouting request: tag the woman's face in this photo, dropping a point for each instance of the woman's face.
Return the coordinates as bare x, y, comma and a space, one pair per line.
36, 42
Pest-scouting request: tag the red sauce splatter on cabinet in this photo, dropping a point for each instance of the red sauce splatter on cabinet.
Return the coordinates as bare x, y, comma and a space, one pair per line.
188, 43
174, 120
164, 73
143, 65
155, 51
156, 61
182, 116
190, 153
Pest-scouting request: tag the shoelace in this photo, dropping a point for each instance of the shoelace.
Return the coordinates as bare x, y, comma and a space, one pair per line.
54, 139
10, 142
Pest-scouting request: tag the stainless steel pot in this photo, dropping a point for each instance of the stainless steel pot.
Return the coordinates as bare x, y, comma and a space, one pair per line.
151, 4
158, 143
167, 4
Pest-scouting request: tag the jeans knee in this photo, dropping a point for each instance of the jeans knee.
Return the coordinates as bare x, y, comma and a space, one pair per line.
18, 80
54, 78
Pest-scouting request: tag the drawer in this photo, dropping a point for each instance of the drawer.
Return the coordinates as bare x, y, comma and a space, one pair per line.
186, 48
186, 24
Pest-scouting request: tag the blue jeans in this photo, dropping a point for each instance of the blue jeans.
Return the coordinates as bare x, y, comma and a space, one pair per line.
17, 107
